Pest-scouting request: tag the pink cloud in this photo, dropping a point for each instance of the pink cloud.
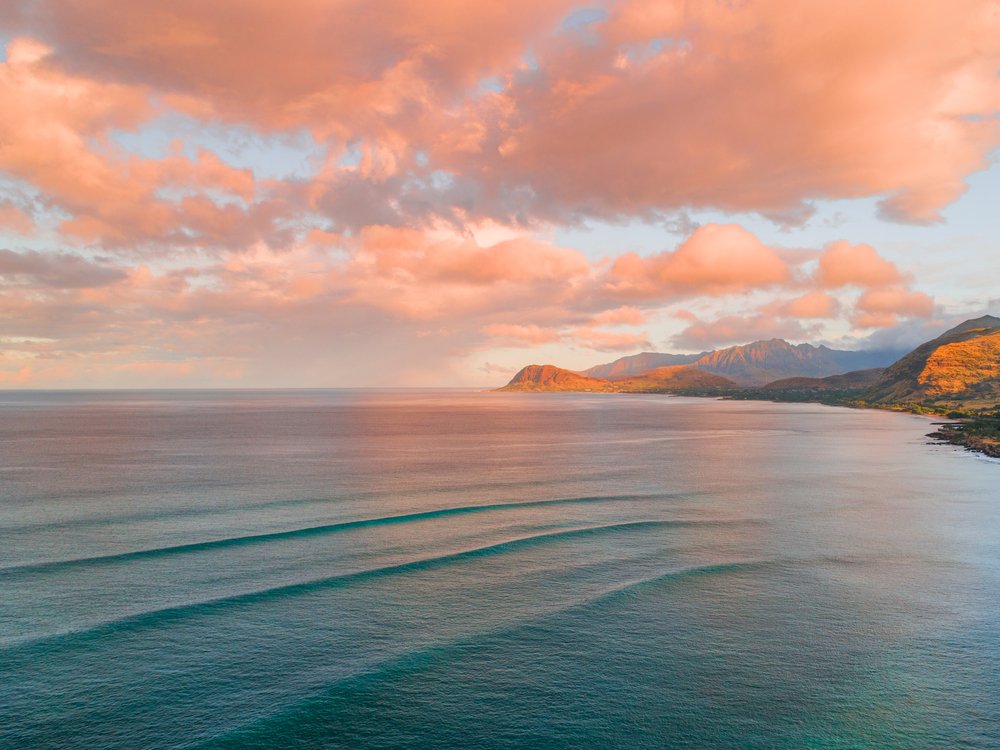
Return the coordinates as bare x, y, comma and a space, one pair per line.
54, 138
420, 275
737, 329
844, 264
464, 261
881, 308
589, 337
341, 68
32, 268
751, 107
814, 304
624, 315
492, 368
609, 341
736, 106
14, 219
18, 375
388, 258
715, 259
389, 296
520, 335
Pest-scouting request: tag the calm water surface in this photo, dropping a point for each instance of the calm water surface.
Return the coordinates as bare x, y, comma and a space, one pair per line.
362, 569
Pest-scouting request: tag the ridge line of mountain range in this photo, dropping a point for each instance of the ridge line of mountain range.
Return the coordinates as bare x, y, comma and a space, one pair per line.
956, 374
757, 363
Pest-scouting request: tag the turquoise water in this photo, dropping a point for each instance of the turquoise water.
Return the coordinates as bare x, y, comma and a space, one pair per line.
366, 569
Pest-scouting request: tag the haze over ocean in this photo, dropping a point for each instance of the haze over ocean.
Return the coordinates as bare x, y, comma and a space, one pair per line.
454, 569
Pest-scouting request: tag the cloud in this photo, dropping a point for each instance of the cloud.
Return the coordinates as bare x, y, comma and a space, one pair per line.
464, 261
426, 275
715, 259
737, 329
63, 270
908, 334
518, 335
388, 306
492, 368
609, 341
15, 219
400, 299
844, 264
881, 308
343, 68
814, 304
199, 326
588, 337
624, 315
748, 107
55, 138
427, 114
424, 123
886, 296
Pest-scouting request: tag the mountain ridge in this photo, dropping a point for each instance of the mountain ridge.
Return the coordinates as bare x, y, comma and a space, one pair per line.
548, 378
761, 362
958, 370
674, 379
754, 364
668, 379
957, 374
959, 367
638, 364
848, 380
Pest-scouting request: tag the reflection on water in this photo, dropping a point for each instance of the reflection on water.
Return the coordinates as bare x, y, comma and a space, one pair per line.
459, 569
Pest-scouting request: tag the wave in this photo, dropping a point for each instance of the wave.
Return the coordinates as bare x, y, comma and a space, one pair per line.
155, 515
286, 720
984, 457
178, 612
202, 510
322, 529
159, 514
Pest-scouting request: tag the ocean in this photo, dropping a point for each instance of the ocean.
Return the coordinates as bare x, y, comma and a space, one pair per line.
456, 569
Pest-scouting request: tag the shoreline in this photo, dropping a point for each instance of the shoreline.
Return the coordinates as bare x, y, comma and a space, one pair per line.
957, 431
953, 432
964, 431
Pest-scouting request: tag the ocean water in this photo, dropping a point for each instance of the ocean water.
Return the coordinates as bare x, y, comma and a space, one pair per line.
448, 569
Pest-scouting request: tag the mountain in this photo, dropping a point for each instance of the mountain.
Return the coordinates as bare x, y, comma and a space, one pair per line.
674, 378
847, 381
959, 372
751, 364
960, 368
974, 324
637, 364
552, 378
670, 379
765, 361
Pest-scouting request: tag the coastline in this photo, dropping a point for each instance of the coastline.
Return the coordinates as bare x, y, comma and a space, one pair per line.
967, 435
977, 434
962, 430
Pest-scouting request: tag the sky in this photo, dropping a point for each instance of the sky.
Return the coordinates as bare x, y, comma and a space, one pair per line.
342, 193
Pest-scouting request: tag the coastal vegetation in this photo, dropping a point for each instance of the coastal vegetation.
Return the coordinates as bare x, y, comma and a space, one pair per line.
981, 434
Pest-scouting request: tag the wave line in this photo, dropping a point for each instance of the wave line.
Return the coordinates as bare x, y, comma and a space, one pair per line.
176, 612
307, 531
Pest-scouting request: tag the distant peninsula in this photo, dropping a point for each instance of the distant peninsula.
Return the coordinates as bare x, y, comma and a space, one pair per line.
956, 375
